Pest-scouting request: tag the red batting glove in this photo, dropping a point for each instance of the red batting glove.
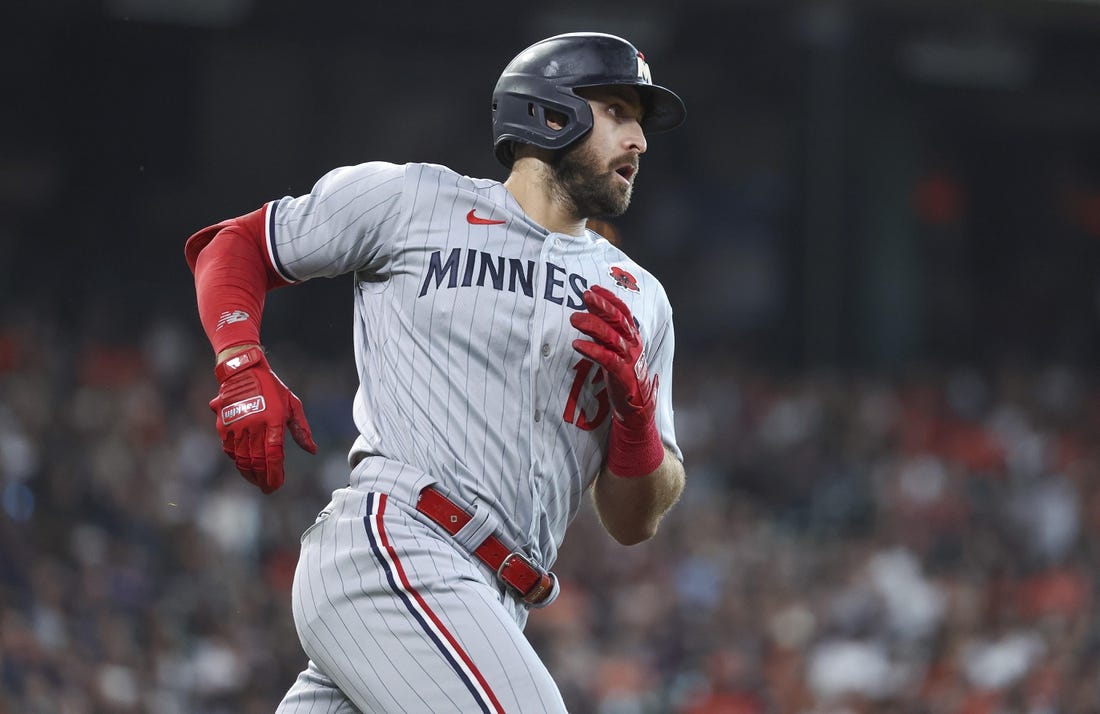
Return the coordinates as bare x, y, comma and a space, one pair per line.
253, 409
635, 447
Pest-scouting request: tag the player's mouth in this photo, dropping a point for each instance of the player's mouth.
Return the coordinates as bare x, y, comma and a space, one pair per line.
627, 172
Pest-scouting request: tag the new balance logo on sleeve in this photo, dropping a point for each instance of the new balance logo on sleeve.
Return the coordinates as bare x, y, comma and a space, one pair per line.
228, 318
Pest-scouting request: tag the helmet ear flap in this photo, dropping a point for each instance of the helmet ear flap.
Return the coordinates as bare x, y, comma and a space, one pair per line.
554, 121
551, 122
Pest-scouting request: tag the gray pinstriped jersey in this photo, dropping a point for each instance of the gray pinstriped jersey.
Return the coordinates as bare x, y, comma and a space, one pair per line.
468, 377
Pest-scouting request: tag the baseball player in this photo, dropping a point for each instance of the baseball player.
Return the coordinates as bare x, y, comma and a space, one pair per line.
510, 360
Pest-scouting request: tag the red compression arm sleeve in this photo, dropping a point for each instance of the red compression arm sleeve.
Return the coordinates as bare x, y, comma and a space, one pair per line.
232, 276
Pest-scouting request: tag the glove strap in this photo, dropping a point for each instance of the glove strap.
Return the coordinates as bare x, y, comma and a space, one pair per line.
239, 362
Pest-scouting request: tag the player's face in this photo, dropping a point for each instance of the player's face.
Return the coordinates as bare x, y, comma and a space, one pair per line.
596, 175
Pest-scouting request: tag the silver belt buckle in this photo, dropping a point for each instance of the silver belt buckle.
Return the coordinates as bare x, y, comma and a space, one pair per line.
539, 595
521, 556
539, 572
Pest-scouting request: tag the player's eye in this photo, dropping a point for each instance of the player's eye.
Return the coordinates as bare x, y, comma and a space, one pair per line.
623, 111
618, 110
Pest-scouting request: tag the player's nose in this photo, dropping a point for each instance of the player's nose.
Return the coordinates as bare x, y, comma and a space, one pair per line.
634, 140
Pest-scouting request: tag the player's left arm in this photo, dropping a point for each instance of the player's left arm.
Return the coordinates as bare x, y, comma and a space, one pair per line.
630, 508
642, 478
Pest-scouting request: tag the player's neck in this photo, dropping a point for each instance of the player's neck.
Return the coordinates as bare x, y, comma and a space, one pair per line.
529, 186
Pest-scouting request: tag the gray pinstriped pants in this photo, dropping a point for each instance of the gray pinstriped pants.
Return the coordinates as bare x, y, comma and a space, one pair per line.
394, 617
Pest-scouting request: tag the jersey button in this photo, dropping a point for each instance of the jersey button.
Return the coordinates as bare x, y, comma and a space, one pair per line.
538, 415
546, 350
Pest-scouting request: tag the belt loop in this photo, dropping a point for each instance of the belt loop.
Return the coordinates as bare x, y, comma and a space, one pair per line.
480, 527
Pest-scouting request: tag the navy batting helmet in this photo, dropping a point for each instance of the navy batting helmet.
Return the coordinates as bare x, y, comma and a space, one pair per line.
543, 78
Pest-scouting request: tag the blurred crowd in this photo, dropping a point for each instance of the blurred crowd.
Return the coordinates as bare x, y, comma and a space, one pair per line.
914, 543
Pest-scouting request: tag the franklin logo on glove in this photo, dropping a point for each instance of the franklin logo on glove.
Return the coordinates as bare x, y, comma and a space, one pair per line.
233, 412
255, 409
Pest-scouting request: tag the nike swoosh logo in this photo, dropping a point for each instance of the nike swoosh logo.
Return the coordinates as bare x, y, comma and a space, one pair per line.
479, 221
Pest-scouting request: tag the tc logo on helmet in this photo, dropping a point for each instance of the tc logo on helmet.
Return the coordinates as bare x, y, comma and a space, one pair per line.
643, 70
623, 279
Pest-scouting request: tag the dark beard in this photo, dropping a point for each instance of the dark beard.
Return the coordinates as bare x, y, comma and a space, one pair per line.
589, 189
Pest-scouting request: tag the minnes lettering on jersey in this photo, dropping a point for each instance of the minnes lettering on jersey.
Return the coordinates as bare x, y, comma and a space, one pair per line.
470, 267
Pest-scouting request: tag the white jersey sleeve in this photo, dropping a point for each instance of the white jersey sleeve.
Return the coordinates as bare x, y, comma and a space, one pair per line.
339, 227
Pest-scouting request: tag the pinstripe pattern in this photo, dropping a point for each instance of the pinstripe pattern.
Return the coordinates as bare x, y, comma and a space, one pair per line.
467, 380
314, 693
454, 384
367, 648
399, 582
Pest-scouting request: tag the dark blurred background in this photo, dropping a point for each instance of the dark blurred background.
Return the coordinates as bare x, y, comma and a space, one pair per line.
859, 184
879, 230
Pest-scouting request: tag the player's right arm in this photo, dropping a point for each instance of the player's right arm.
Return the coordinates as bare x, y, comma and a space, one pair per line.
253, 408
338, 227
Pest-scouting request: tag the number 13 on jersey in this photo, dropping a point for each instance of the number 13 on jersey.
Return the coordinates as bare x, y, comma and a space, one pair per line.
587, 373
